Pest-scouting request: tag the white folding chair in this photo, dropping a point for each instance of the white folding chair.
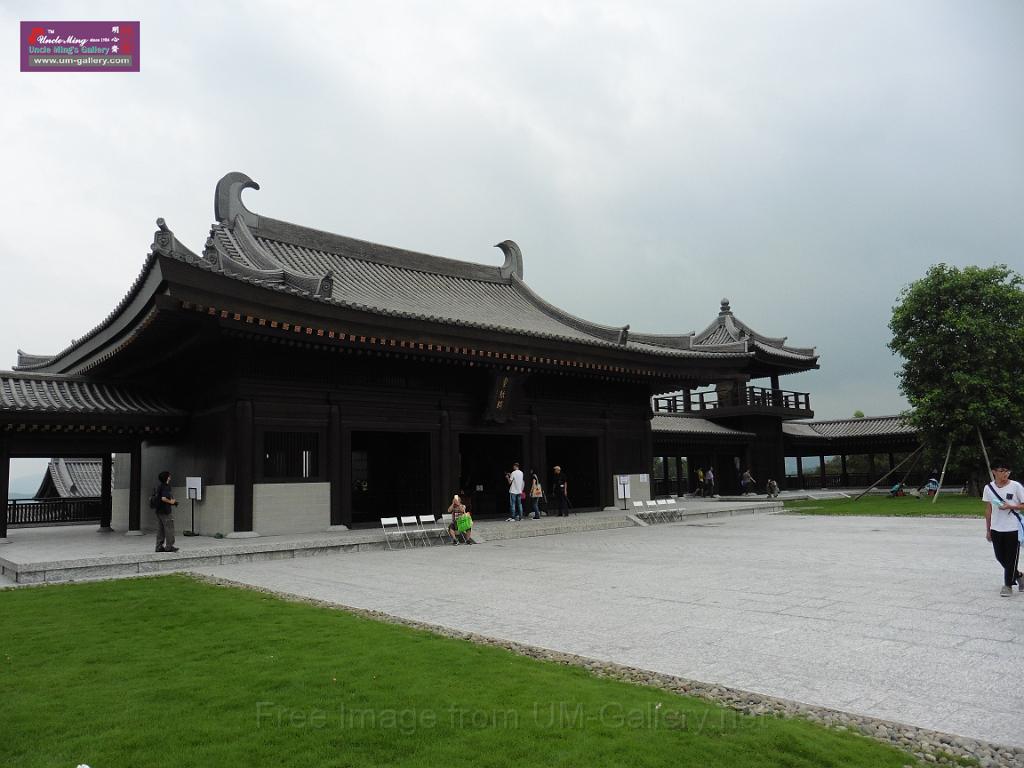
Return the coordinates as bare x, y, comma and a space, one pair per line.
430, 524
391, 528
638, 505
652, 509
410, 528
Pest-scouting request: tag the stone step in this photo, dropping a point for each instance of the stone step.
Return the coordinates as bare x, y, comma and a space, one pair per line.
228, 552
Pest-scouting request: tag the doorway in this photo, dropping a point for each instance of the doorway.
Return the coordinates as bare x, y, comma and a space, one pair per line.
483, 462
577, 456
390, 475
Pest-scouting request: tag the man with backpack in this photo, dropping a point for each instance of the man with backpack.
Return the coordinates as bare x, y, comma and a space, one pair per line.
163, 502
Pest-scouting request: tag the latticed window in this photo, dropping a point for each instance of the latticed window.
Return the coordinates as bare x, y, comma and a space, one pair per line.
291, 455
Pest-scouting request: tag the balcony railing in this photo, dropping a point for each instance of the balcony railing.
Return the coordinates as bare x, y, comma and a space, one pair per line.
741, 397
31, 512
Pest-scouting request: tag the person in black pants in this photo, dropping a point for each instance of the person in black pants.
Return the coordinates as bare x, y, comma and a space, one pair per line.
1003, 501
165, 504
560, 492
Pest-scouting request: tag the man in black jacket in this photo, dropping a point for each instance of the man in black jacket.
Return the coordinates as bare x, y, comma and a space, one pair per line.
165, 504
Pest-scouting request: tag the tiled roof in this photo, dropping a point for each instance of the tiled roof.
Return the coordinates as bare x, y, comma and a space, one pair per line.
396, 282
876, 426
727, 331
56, 393
72, 479
692, 425
324, 267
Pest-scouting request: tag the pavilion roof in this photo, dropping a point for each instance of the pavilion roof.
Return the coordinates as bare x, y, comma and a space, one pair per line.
683, 424
72, 479
329, 269
874, 426
54, 393
729, 332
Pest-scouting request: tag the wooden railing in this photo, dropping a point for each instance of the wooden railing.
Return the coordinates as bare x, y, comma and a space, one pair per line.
31, 512
753, 397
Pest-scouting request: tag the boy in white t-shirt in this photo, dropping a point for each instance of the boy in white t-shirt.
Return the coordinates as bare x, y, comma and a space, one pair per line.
1003, 501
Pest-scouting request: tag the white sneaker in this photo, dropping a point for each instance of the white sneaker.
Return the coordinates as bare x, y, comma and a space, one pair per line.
1006, 592
510, 519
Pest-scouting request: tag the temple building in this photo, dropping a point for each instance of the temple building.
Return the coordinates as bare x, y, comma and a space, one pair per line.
313, 380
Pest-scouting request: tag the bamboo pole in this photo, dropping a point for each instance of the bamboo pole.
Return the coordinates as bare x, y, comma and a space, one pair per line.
879, 480
942, 476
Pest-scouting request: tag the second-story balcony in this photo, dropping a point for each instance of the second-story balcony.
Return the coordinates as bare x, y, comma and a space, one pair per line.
739, 401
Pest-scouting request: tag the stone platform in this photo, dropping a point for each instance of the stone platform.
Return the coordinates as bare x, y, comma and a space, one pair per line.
72, 553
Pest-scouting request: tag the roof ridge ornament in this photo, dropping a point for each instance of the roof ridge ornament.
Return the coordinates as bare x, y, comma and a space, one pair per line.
513, 259
725, 308
227, 199
326, 288
166, 244
624, 335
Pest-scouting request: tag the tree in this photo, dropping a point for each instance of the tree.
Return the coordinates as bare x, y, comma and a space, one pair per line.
960, 333
858, 414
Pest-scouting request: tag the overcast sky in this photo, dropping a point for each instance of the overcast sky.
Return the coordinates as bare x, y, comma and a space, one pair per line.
804, 159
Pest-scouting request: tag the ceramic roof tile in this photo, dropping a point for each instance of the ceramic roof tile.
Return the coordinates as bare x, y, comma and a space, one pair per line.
56, 393
692, 425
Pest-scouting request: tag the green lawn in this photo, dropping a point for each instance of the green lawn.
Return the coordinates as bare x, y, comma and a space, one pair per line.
171, 671
903, 506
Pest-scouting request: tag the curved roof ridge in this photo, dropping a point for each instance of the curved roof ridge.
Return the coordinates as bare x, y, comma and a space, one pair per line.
853, 418
27, 359
110, 318
603, 332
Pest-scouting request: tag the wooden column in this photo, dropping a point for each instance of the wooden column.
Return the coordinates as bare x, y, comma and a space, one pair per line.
335, 459
449, 484
648, 444
346, 476
892, 462
845, 477
244, 459
821, 470
687, 405
537, 453
5, 479
871, 468
135, 489
105, 493
606, 485
800, 472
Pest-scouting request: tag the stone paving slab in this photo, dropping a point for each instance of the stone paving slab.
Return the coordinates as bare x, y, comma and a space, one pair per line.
888, 617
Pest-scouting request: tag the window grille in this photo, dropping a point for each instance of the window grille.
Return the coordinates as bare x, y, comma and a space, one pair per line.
291, 455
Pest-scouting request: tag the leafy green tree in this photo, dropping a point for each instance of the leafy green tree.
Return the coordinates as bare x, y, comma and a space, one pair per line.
858, 414
960, 333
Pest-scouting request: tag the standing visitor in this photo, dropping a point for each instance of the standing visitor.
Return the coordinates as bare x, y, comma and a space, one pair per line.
515, 493
1003, 499
709, 483
165, 504
560, 492
700, 481
748, 483
536, 494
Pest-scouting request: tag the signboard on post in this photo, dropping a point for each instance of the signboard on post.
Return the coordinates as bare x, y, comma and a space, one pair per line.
194, 488
622, 481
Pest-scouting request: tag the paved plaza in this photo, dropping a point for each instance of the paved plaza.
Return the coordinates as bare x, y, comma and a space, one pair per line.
894, 618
